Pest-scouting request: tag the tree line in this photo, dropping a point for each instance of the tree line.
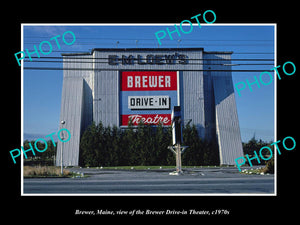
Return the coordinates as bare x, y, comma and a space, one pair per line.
143, 145
255, 145
40, 158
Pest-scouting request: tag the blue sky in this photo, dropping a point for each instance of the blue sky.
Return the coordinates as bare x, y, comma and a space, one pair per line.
42, 88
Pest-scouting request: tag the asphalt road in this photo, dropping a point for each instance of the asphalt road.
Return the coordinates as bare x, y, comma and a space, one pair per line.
196, 181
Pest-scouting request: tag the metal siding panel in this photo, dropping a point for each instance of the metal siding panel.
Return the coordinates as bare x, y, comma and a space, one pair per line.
209, 108
106, 102
72, 107
87, 105
71, 112
227, 124
192, 99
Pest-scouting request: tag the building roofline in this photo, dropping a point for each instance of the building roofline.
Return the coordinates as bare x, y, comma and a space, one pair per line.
77, 53
146, 49
218, 52
132, 49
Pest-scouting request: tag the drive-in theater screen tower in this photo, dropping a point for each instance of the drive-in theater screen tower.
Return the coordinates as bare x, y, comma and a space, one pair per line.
115, 85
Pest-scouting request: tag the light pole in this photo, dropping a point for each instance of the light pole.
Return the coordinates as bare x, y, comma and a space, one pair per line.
61, 151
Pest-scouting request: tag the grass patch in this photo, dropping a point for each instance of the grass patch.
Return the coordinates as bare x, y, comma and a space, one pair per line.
268, 169
148, 167
261, 171
138, 167
45, 171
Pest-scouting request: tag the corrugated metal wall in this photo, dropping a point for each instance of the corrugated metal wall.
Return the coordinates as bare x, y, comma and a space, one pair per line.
209, 106
192, 99
76, 107
206, 98
106, 98
227, 123
71, 113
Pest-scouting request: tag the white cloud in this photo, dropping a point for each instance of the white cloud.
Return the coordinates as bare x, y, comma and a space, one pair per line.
43, 31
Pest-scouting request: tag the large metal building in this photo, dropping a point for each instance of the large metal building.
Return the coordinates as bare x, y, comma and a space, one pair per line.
114, 85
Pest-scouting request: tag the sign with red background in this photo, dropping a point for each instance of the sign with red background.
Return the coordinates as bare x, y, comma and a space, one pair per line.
149, 81
143, 84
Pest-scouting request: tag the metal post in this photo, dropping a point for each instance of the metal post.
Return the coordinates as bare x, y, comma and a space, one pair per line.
177, 156
177, 150
178, 159
61, 161
61, 152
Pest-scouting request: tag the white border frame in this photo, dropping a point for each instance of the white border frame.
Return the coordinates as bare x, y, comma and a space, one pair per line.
150, 24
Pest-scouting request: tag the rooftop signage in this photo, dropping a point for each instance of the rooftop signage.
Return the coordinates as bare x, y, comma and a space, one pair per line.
148, 59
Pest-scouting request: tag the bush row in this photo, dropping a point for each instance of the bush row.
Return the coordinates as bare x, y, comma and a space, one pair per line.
143, 145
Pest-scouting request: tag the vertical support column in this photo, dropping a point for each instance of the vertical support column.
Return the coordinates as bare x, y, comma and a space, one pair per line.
178, 159
177, 150
177, 139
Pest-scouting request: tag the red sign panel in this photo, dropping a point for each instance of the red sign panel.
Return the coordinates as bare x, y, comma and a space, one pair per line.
149, 81
153, 119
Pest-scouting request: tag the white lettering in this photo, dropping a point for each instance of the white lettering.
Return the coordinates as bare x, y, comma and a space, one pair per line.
153, 81
168, 81
155, 119
135, 118
150, 120
137, 81
129, 82
149, 81
166, 120
160, 81
144, 81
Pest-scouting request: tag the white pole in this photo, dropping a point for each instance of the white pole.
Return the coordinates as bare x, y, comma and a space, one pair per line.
179, 158
61, 159
61, 152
